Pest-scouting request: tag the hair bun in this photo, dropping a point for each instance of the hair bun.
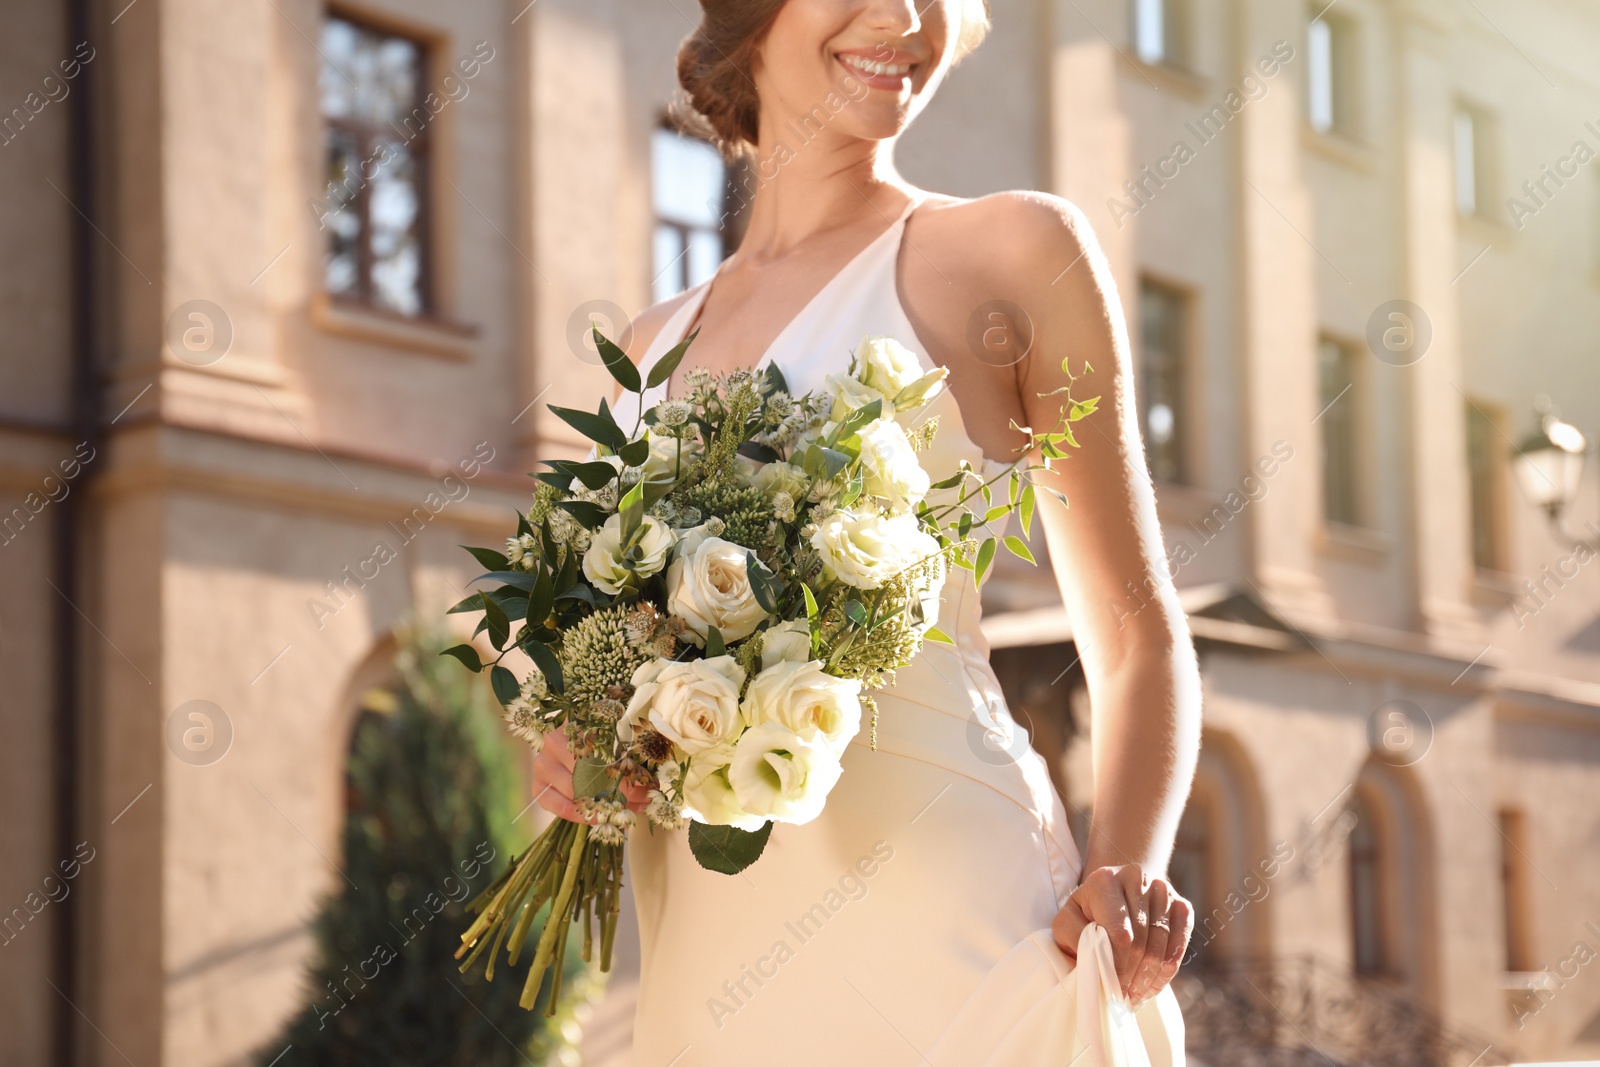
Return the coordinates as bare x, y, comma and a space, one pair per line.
715, 68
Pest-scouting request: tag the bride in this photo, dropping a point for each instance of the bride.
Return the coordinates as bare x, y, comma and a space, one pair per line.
873, 933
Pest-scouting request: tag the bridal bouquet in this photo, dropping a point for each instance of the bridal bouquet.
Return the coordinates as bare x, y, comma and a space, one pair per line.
708, 602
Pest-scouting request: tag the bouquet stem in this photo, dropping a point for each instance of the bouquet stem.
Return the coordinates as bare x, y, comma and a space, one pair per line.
578, 876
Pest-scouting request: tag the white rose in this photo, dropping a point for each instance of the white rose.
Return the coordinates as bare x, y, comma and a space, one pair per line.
785, 642
781, 477
886, 365
708, 584
613, 565
694, 703
807, 700
661, 466
865, 549
848, 394
780, 775
708, 797
892, 471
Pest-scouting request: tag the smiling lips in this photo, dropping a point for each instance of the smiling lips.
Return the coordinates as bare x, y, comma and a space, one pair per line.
891, 74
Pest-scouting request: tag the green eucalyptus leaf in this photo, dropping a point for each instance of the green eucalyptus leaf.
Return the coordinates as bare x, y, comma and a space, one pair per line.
662, 369
598, 427
495, 619
506, 687
467, 655
522, 580
631, 508
1026, 507
489, 558
715, 646
617, 362
933, 633
985, 557
546, 661
590, 778
595, 474
727, 849
634, 453
589, 513
1019, 548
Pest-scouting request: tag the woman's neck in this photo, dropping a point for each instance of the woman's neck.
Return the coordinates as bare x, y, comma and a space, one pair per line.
820, 185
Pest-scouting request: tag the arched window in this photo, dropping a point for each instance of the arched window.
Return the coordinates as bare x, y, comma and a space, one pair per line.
1367, 881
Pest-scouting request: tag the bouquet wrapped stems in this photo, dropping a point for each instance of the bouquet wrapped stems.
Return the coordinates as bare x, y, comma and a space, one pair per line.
579, 876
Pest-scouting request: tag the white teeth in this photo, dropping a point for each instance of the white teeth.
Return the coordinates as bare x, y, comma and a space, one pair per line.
867, 66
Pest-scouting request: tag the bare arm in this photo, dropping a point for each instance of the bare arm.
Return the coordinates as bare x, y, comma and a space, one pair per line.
1106, 546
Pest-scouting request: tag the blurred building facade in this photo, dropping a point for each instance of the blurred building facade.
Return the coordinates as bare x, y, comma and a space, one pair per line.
300, 280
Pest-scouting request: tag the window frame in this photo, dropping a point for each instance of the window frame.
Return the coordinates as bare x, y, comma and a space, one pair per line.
1183, 334
1357, 459
1177, 33
423, 149
1377, 861
1485, 180
729, 213
1345, 101
1495, 508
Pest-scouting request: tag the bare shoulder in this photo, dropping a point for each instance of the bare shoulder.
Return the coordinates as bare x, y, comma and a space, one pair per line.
1016, 242
648, 324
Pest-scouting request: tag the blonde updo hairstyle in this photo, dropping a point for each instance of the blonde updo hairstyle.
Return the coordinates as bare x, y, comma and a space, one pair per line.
716, 62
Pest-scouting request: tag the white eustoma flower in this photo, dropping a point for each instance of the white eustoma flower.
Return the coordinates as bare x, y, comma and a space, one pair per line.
780, 477
865, 549
708, 796
886, 366
805, 699
890, 466
847, 394
779, 775
708, 584
694, 703
664, 465
614, 565
785, 642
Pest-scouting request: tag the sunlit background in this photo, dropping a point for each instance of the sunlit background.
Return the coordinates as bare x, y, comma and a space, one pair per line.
287, 290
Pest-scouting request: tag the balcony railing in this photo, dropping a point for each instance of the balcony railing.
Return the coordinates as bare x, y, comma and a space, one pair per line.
1298, 1012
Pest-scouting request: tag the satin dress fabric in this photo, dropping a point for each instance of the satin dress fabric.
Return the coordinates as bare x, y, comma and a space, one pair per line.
884, 931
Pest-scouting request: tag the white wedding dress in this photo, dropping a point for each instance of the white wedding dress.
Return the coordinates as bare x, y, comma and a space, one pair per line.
909, 923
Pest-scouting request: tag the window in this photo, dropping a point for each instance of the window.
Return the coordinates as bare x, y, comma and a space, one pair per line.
1471, 146
1160, 31
1163, 330
1486, 486
689, 184
1339, 410
1331, 77
376, 151
1515, 887
1367, 926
